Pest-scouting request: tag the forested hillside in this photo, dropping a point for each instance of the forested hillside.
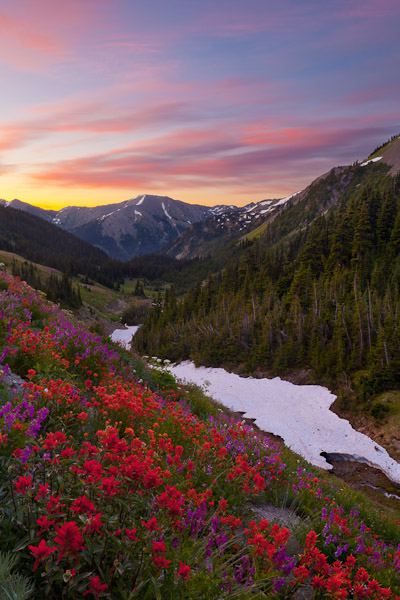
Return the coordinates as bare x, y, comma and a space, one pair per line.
42, 242
319, 289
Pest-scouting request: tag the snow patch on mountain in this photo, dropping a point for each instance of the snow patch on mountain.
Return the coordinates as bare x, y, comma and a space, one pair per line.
284, 200
165, 211
371, 160
105, 216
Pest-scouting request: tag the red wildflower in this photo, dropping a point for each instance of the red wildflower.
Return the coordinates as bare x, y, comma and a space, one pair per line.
93, 524
82, 505
161, 562
131, 534
69, 539
96, 588
43, 490
40, 552
318, 582
151, 524
44, 524
109, 485
311, 540
53, 439
93, 470
67, 452
184, 571
159, 547
23, 484
301, 573
54, 506
222, 505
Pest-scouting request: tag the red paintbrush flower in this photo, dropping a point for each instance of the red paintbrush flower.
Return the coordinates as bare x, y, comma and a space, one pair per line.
44, 524
23, 484
131, 534
53, 439
83, 505
161, 562
54, 505
69, 539
43, 491
93, 524
40, 552
184, 571
159, 547
151, 524
95, 587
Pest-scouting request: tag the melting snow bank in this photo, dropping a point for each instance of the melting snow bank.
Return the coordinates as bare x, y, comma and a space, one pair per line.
371, 160
297, 413
125, 335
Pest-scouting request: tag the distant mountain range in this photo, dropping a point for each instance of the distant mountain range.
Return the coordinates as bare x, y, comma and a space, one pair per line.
137, 226
147, 223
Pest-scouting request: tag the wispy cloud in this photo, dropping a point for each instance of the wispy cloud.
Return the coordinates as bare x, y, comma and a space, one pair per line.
189, 157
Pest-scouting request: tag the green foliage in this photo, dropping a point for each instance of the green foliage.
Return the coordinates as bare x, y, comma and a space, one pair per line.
13, 586
135, 313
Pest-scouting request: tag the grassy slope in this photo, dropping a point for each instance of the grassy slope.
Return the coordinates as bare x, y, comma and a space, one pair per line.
299, 488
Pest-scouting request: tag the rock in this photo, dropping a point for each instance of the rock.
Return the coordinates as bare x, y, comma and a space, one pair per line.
13, 382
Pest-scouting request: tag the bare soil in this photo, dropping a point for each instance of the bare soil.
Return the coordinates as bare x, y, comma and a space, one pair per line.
392, 156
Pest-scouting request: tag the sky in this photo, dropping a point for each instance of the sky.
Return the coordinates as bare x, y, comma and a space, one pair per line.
211, 102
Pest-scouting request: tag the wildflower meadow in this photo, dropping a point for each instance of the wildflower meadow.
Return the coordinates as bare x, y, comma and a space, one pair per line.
115, 484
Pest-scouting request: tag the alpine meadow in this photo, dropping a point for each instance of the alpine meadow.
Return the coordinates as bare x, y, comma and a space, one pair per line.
200, 300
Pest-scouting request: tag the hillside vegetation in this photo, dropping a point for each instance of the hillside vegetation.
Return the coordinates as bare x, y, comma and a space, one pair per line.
318, 290
117, 483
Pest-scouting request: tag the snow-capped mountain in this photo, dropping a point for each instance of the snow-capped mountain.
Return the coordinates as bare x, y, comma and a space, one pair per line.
147, 223
227, 224
137, 226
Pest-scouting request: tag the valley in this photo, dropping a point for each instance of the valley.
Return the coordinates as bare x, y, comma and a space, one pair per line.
200, 300
308, 291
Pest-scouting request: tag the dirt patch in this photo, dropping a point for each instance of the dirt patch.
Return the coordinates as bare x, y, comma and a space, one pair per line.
368, 480
273, 514
118, 307
91, 318
392, 156
386, 432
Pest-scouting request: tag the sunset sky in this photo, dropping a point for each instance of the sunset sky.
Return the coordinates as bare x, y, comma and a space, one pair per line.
211, 101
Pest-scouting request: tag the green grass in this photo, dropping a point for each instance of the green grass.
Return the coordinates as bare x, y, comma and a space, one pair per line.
384, 149
255, 233
9, 257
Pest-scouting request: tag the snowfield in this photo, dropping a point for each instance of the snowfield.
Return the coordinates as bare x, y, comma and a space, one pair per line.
124, 335
299, 414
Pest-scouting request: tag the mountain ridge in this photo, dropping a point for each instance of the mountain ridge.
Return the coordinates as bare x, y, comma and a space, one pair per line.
137, 226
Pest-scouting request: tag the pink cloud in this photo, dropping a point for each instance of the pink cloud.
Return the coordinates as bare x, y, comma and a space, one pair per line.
25, 26
372, 95
94, 118
189, 158
369, 9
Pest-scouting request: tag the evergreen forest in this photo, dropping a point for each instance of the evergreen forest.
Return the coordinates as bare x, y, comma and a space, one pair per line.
318, 290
